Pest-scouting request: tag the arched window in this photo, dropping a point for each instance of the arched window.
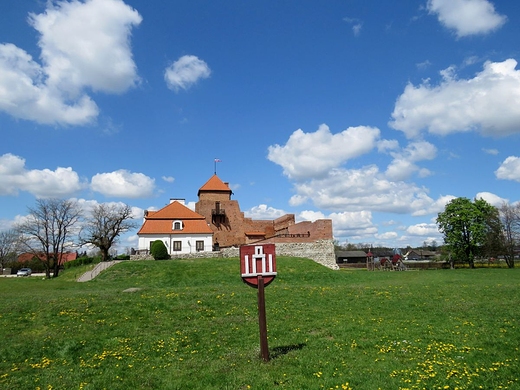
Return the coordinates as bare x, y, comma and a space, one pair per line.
177, 225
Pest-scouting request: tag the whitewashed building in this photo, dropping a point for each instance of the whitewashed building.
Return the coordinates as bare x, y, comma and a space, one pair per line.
182, 230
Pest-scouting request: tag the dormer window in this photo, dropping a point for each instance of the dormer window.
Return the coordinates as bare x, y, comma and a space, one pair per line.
177, 225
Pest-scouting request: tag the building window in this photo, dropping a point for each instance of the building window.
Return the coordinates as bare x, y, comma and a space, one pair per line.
177, 225
199, 246
177, 246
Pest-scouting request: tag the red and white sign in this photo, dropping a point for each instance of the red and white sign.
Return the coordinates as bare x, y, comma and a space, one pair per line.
258, 261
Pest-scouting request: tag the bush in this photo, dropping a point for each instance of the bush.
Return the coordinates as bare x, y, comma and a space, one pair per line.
122, 257
159, 250
81, 261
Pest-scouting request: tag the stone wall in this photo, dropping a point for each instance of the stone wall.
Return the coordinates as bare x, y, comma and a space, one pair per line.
322, 252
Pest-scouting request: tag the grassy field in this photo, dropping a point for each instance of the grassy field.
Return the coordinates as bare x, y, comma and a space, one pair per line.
193, 325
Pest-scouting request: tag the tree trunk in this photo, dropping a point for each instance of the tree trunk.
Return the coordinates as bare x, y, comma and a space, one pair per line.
56, 269
104, 254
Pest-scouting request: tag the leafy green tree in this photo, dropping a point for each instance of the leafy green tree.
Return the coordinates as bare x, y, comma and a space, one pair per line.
159, 250
467, 227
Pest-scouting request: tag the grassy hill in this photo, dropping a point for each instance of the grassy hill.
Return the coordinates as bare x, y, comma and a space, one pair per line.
192, 324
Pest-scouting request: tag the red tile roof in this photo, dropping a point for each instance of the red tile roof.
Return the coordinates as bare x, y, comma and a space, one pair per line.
174, 210
67, 256
215, 184
164, 226
161, 221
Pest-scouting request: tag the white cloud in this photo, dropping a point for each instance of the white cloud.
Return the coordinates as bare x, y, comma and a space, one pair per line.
264, 212
307, 155
168, 179
87, 206
492, 199
297, 200
310, 215
362, 189
123, 183
435, 207
185, 72
387, 236
356, 24
357, 223
423, 229
493, 152
14, 177
84, 45
467, 17
509, 169
488, 102
423, 65
403, 165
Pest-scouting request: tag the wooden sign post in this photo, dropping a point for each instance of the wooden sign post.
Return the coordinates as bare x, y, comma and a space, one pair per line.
258, 269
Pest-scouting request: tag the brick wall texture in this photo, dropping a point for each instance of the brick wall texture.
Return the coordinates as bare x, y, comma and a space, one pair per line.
232, 228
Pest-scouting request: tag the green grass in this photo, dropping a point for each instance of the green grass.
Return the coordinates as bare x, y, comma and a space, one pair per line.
193, 325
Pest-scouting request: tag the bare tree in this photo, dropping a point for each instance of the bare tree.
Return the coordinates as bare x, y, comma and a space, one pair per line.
510, 218
8, 247
49, 230
105, 224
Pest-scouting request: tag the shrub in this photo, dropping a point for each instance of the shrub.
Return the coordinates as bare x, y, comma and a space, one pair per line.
122, 257
159, 250
81, 261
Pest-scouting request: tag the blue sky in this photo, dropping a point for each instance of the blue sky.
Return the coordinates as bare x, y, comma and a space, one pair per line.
372, 113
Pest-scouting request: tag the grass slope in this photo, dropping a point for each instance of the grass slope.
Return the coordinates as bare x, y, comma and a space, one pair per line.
193, 325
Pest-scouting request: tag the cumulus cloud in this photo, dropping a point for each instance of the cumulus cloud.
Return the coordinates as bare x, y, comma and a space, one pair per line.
264, 212
14, 177
423, 229
308, 155
403, 165
310, 215
88, 204
363, 189
186, 72
123, 183
492, 199
466, 17
488, 103
84, 45
349, 224
509, 169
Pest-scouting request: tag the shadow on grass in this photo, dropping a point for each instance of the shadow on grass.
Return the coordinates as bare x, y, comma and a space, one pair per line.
285, 349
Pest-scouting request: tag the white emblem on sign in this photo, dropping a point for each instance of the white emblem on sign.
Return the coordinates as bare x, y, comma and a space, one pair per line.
258, 259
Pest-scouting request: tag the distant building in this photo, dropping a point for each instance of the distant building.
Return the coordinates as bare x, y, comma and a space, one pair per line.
351, 257
419, 254
65, 257
218, 222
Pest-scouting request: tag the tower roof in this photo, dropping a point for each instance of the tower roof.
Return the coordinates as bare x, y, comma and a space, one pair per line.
214, 184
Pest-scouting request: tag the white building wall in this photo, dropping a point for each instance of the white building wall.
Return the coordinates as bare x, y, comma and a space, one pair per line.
188, 242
